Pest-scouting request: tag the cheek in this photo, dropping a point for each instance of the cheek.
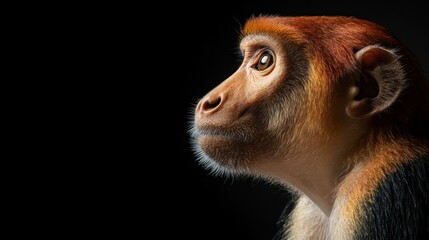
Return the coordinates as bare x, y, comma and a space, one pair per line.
263, 86
284, 112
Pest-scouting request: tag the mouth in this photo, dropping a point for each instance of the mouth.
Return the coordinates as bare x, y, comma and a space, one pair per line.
217, 133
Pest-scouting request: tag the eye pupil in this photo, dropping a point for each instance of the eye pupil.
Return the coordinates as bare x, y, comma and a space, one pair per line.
265, 61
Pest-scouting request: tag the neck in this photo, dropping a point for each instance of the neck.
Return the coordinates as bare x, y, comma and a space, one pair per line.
315, 166
316, 172
327, 169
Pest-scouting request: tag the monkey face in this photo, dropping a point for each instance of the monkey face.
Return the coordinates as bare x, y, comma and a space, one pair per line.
244, 119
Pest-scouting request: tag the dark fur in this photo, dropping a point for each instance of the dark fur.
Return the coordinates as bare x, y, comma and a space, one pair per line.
399, 209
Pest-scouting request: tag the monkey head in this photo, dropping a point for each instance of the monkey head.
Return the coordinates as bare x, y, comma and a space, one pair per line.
308, 90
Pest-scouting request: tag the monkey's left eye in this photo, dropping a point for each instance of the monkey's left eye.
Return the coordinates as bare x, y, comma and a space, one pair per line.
265, 60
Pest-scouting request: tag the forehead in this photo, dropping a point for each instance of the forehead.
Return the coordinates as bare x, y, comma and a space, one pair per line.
273, 26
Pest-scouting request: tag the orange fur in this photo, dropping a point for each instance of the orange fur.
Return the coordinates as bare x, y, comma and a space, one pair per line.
380, 160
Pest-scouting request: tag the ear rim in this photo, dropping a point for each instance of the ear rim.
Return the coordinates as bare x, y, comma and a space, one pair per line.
389, 73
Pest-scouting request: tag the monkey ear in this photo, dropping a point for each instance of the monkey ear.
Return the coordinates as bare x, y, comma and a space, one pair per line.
380, 82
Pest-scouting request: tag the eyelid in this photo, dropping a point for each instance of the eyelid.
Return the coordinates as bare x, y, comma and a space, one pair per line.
260, 50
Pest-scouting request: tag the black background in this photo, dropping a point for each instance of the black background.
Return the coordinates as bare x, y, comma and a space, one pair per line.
189, 203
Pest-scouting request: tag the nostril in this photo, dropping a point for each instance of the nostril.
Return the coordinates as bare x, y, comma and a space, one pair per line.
209, 104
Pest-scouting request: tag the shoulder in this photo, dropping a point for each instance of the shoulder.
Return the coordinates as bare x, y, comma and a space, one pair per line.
399, 208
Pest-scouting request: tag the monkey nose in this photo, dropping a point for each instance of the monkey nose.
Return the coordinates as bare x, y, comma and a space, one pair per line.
209, 105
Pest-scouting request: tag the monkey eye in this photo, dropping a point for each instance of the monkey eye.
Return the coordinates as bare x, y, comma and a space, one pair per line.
265, 60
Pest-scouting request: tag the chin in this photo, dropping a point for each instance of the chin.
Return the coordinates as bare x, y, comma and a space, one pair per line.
223, 155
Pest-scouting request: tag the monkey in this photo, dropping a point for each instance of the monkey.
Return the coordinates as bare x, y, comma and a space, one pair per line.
336, 110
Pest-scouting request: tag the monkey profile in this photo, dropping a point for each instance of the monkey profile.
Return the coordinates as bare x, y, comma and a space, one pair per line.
335, 109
